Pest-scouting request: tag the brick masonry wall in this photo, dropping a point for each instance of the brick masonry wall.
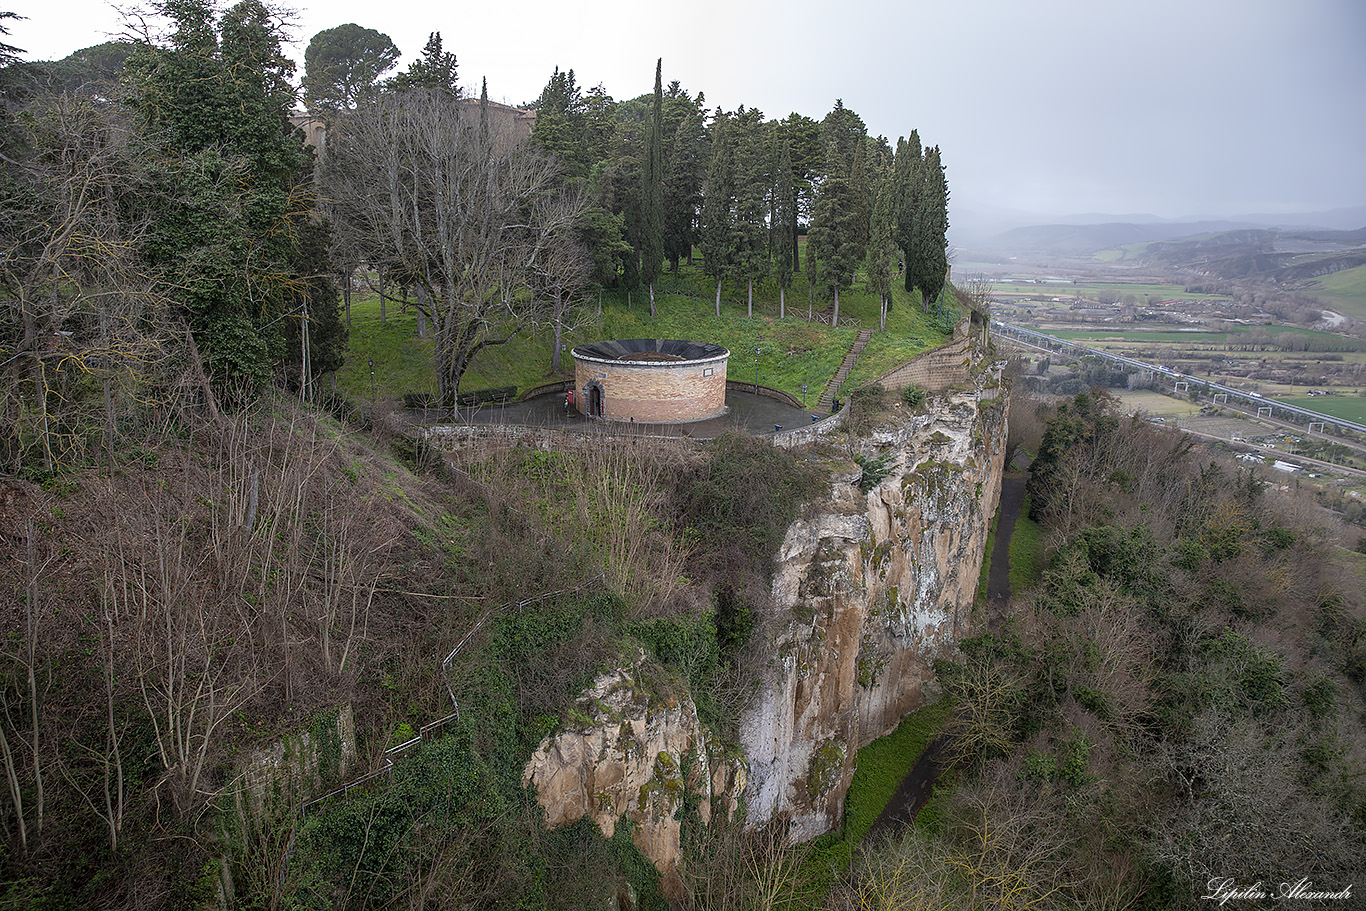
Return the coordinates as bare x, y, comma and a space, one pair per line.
937, 370
667, 393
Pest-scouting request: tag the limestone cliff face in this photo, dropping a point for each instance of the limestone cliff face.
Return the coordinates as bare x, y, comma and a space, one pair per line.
636, 750
870, 589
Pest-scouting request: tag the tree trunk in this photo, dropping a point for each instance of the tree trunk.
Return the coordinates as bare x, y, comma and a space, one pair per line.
198, 364
346, 299
381, 300
750, 299
835, 318
36, 374
559, 331
652, 300
718, 297
782, 302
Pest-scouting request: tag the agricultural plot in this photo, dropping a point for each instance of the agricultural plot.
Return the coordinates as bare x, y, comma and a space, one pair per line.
1346, 290
1155, 404
1347, 407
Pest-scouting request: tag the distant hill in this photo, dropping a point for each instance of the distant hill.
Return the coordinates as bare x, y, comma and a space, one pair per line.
1011, 233
1285, 257
1075, 241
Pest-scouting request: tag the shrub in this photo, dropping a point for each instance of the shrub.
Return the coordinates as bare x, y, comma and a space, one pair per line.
913, 395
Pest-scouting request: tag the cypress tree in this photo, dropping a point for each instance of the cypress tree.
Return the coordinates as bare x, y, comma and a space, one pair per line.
752, 181
932, 225
881, 247
906, 171
783, 221
718, 202
652, 192
683, 175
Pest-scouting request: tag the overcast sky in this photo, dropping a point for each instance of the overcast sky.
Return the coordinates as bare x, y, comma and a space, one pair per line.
1167, 107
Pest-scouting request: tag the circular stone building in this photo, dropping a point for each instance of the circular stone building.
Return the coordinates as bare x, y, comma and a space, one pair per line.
652, 381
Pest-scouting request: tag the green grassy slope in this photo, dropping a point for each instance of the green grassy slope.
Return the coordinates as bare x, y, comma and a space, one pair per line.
1346, 291
791, 350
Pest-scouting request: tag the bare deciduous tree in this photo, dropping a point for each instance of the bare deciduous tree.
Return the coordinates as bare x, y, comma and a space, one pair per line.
76, 295
424, 186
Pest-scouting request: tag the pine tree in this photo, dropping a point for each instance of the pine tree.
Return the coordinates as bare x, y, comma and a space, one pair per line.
343, 65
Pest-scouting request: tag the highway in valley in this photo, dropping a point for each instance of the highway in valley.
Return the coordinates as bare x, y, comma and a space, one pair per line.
1265, 407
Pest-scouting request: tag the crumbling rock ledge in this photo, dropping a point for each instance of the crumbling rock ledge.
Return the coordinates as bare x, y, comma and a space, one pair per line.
869, 589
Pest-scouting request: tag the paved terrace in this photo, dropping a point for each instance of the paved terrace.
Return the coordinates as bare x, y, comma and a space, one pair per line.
746, 412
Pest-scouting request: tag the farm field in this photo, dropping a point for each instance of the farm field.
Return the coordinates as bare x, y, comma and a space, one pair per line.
1347, 407
1346, 291
1155, 404
1232, 335
1092, 289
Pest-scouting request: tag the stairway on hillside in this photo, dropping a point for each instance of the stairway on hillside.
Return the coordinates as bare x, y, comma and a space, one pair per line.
827, 400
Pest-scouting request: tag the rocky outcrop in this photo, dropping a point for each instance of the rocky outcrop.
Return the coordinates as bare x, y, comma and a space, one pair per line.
871, 586
870, 589
634, 749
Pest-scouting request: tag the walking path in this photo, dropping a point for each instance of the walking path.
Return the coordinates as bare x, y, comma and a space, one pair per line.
827, 399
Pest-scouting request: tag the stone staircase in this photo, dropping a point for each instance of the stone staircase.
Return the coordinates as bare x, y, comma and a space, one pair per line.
827, 399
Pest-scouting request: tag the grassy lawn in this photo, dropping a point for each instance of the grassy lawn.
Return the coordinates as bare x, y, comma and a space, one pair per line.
790, 351
881, 767
1026, 552
1347, 407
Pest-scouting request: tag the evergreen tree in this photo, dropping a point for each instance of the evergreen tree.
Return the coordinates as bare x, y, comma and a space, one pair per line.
881, 248
803, 136
783, 220
343, 65
685, 168
718, 206
558, 128
435, 69
753, 178
315, 299
8, 52
842, 135
932, 225
652, 192
906, 171
684, 172
836, 226
219, 101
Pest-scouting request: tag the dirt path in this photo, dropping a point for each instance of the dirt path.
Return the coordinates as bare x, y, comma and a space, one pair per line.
998, 578
916, 787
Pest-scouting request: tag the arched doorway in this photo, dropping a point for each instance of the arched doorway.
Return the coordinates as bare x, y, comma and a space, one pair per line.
595, 400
